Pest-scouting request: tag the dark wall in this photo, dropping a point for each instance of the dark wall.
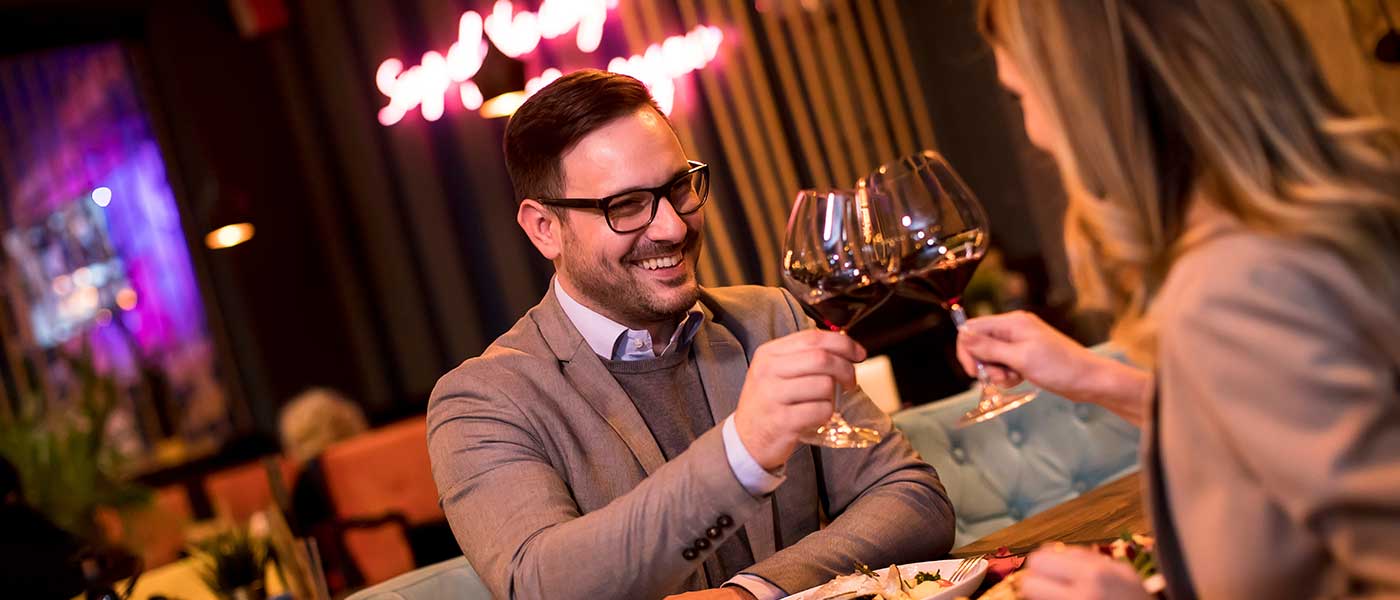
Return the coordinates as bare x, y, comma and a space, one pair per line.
979, 129
230, 139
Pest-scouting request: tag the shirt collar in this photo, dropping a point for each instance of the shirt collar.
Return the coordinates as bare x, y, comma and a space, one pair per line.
612, 340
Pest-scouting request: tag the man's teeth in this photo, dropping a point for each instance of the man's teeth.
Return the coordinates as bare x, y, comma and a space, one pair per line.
663, 262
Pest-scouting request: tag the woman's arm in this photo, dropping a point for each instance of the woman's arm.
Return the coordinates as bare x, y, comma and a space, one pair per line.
1018, 345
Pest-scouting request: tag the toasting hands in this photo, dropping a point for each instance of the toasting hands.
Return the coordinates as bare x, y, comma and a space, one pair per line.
789, 390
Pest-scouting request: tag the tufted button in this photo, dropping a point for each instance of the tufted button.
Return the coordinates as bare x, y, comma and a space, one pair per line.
689, 554
959, 455
1017, 438
702, 544
1015, 514
712, 533
724, 521
1080, 486
1081, 412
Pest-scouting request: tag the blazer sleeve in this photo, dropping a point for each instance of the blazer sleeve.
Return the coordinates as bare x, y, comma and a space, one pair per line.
1265, 346
886, 504
519, 527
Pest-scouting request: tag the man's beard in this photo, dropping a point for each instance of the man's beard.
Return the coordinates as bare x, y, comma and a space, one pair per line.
617, 288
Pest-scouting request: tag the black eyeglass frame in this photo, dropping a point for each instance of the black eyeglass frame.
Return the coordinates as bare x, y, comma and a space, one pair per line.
657, 193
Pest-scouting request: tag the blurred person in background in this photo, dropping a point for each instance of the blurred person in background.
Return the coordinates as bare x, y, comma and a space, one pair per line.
315, 419
1244, 228
309, 423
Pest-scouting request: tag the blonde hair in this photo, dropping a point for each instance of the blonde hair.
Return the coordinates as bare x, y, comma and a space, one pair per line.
1184, 101
315, 419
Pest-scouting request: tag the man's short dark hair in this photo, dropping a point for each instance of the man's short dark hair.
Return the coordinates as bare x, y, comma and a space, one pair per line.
552, 121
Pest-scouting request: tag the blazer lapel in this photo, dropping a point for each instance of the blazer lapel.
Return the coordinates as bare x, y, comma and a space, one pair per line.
595, 384
723, 365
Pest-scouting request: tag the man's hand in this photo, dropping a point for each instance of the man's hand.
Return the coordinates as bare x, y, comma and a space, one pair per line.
789, 390
724, 593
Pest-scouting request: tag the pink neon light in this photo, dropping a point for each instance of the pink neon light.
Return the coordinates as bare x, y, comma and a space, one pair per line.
543, 79
513, 36
425, 86
676, 56
471, 95
465, 56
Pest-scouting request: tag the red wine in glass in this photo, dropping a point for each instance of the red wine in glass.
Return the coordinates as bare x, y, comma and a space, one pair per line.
839, 311
942, 283
934, 233
828, 266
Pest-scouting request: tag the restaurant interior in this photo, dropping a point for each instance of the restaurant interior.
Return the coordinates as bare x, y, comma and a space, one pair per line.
243, 239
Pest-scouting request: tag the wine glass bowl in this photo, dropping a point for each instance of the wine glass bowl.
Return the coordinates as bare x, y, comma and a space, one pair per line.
933, 234
828, 265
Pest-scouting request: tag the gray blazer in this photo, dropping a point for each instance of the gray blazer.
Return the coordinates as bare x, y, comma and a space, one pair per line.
556, 489
1274, 460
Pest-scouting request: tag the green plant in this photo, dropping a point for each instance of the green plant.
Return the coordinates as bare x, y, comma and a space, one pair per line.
66, 468
231, 560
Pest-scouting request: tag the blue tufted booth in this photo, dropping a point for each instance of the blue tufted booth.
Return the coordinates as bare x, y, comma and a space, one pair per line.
1022, 462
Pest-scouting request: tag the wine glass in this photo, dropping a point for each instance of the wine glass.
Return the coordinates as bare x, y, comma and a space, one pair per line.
935, 233
827, 265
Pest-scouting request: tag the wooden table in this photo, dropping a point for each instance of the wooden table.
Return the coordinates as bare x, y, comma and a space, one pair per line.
1100, 514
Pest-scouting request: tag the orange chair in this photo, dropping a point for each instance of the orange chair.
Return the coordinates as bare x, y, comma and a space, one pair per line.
378, 473
238, 492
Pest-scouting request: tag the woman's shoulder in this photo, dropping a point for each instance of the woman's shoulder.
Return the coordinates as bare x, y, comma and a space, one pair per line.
1262, 274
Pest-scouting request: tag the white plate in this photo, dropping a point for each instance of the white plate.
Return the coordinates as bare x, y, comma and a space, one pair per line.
944, 567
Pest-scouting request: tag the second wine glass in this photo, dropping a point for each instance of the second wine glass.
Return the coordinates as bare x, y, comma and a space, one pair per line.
935, 233
827, 264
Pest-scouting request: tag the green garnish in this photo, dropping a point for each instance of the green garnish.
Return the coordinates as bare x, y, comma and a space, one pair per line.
924, 576
864, 569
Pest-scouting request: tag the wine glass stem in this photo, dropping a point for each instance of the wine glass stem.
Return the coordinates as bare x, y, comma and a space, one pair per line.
960, 320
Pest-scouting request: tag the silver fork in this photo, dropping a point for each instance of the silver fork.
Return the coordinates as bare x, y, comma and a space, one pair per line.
965, 568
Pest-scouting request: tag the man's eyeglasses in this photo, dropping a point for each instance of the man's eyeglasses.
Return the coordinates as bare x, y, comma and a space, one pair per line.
633, 210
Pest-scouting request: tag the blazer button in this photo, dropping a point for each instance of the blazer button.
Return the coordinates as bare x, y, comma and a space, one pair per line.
724, 521
689, 554
702, 543
712, 533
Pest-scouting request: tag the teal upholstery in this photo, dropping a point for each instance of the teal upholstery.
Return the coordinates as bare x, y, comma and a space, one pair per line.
1025, 461
448, 580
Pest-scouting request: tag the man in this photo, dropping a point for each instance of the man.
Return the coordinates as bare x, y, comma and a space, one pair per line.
635, 435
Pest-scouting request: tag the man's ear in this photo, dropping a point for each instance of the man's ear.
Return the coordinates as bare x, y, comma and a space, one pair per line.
542, 226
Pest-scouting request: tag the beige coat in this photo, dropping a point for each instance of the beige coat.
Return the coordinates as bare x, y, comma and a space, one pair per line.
1274, 460
556, 489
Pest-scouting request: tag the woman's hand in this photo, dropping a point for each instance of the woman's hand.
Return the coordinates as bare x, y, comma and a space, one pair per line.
1018, 345
1057, 571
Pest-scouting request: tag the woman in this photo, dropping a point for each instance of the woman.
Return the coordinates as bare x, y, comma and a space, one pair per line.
1245, 231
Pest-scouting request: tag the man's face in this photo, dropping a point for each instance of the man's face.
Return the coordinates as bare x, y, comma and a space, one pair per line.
637, 278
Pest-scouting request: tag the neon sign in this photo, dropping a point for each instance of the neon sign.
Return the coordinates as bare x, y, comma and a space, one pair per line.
428, 85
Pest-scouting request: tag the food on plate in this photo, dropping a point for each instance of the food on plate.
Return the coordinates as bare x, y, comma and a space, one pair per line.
885, 584
1136, 550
